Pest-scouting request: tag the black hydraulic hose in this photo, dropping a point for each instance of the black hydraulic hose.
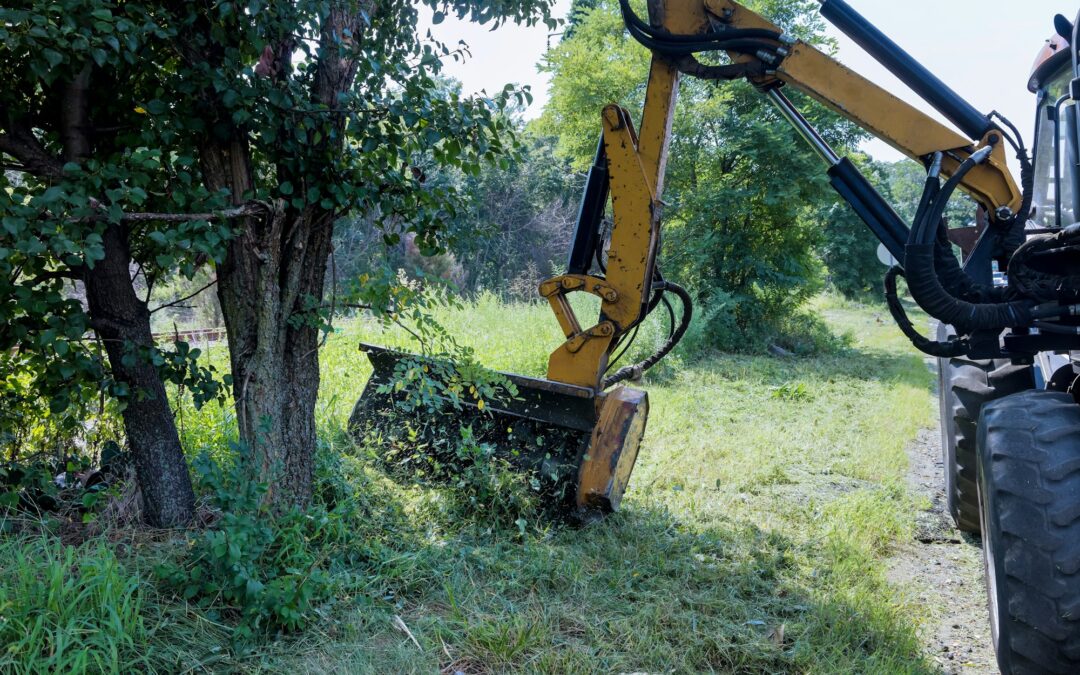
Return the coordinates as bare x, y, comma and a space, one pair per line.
635, 371
952, 275
927, 288
922, 233
744, 40
1016, 234
946, 350
953, 278
669, 49
931, 188
633, 21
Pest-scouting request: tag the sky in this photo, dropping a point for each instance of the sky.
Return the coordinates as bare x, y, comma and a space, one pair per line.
983, 49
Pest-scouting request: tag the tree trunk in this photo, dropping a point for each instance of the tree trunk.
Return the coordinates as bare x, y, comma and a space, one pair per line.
271, 279
122, 321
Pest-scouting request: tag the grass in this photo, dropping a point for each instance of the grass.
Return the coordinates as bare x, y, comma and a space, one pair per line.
752, 539
68, 609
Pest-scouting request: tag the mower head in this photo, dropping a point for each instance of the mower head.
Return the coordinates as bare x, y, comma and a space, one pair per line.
580, 444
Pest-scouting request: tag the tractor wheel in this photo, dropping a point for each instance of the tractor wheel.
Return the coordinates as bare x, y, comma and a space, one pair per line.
966, 385
1029, 487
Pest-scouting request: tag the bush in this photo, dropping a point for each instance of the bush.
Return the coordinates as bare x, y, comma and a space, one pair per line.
432, 425
264, 570
849, 250
719, 325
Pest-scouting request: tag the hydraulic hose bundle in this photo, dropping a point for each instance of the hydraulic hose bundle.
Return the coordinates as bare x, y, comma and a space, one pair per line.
680, 49
749, 40
924, 283
676, 333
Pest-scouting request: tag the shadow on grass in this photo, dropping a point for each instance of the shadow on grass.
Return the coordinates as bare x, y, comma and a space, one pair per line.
637, 592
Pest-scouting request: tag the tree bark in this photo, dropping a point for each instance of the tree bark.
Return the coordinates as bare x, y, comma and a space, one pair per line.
274, 273
122, 321
269, 275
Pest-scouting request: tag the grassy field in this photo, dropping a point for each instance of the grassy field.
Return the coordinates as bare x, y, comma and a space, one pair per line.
767, 494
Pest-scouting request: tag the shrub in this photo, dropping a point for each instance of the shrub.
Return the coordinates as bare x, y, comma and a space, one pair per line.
265, 570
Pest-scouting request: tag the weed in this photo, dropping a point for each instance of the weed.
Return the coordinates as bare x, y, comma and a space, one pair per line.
792, 391
265, 570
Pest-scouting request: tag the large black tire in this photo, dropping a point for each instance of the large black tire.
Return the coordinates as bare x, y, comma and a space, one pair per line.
966, 385
1029, 481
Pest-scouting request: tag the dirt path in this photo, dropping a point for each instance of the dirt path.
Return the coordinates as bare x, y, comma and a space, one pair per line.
942, 571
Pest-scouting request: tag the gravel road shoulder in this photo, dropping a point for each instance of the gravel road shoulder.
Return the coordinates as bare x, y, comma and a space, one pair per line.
940, 571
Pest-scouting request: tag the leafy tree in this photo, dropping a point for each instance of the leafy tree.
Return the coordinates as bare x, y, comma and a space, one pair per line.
847, 247
523, 220
743, 188
86, 169
162, 136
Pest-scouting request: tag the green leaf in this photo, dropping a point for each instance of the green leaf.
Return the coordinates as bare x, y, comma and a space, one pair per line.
286, 188
51, 195
54, 57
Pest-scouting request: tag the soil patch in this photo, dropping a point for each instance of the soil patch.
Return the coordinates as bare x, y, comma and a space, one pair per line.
941, 571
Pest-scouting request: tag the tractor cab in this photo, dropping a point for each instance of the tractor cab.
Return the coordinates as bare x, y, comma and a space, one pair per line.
1056, 197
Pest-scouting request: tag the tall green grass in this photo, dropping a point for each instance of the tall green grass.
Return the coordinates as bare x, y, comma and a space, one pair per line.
767, 494
68, 609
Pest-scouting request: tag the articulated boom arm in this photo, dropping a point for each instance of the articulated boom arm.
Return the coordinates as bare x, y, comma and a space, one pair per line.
881, 113
630, 166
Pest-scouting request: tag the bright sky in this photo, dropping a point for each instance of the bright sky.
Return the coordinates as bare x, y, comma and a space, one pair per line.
983, 49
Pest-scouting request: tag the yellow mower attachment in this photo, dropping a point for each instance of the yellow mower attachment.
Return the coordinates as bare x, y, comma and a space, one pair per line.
581, 443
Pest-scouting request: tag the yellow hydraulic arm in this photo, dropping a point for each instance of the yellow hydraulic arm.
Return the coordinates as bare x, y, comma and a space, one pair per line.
636, 163
881, 113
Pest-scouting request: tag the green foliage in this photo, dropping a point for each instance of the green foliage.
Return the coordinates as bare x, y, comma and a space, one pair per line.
848, 248
436, 385
905, 180
264, 570
179, 366
33, 423
522, 222
792, 392
849, 251
156, 88
432, 422
55, 213
69, 609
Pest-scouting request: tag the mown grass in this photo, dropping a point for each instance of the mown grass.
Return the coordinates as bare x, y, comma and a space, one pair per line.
766, 495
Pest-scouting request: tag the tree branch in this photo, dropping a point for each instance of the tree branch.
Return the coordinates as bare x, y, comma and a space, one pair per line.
19, 142
242, 211
54, 275
183, 299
